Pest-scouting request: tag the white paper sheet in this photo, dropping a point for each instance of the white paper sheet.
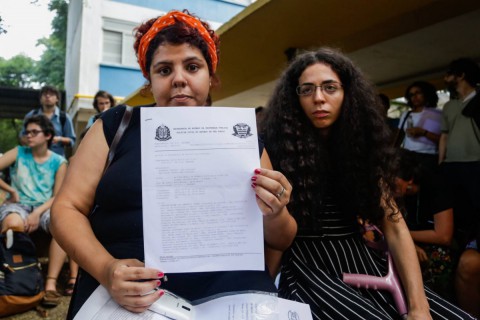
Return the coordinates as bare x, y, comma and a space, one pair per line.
244, 306
199, 210
100, 306
252, 306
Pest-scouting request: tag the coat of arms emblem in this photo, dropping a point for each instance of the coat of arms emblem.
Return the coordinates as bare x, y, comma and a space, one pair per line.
163, 133
242, 130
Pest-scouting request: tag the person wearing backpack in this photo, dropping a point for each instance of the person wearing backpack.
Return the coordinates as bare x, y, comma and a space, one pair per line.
62, 123
36, 176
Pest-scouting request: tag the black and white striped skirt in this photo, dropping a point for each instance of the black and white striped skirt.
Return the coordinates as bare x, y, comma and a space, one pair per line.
312, 271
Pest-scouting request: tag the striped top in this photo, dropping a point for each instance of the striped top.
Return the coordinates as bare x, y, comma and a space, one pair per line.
312, 269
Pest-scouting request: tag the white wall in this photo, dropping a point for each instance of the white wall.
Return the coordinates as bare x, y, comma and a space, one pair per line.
85, 41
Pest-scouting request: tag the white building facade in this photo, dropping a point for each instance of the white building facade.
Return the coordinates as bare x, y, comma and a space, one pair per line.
100, 53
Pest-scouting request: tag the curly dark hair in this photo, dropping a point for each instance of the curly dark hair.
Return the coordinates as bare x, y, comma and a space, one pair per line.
429, 93
177, 33
354, 159
44, 123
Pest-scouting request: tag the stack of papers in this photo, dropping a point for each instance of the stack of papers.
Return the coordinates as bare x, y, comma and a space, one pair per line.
243, 306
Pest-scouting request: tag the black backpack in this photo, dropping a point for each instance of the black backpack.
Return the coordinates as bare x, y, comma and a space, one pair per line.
21, 280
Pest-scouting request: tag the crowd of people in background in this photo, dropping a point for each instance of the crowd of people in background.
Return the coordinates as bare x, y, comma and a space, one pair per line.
439, 182
436, 177
331, 150
36, 169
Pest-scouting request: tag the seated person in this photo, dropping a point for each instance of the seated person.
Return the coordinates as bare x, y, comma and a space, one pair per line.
10, 192
36, 174
429, 216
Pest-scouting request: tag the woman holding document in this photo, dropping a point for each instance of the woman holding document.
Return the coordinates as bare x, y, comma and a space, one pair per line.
97, 217
326, 131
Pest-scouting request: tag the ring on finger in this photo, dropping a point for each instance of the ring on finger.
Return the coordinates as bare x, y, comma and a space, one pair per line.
281, 192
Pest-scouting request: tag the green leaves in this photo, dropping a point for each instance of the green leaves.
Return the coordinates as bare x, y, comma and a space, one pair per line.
51, 67
23, 72
19, 71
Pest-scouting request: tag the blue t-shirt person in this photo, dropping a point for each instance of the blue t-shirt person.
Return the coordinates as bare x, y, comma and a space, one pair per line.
34, 181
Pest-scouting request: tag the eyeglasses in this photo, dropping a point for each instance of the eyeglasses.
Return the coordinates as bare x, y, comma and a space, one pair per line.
308, 89
33, 132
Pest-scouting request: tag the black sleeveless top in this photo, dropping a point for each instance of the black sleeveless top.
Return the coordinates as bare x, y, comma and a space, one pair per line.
117, 223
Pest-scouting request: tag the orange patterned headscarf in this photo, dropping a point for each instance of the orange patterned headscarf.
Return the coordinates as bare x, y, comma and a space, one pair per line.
167, 20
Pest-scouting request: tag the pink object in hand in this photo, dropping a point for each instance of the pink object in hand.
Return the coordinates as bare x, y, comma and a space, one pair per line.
390, 282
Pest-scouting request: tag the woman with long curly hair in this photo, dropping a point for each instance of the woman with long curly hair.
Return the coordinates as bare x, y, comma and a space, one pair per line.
326, 132
178, 55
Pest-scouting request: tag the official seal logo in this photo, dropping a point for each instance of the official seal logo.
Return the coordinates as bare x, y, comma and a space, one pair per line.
163, 133
242, 130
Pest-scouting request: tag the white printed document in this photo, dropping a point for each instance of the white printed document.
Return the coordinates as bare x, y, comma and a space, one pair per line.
242, 306
199, 210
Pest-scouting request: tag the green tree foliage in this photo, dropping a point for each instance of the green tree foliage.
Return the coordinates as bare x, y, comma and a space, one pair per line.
17, 72
10, 128
51, 67
59, 23
23, 72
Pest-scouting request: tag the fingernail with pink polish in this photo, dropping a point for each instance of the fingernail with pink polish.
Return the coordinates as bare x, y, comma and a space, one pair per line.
254, 178
160, 275
161, 293
258, 171
159, 283
254, 185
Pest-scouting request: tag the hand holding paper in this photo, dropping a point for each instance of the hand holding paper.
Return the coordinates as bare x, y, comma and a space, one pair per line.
128, 281
242, 306
199, 210
272, 190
